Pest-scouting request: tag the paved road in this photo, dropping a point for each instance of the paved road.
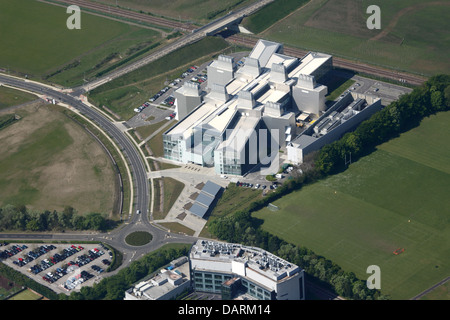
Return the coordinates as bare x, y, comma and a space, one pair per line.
194, 36
136, 162
140, 179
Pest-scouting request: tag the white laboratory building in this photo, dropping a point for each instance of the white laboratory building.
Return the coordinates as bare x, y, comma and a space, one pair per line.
249, 110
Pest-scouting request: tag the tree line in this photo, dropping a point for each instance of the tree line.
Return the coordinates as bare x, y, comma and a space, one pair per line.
19, 217
398, 117
109, 288
114, 287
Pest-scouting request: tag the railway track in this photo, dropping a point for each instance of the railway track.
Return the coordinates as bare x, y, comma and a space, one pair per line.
342, 63
359, 67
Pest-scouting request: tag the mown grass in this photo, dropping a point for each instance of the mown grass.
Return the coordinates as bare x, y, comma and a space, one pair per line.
45, 49
415, 44
138, 238
393, 198
186, 10
270, 14
10, 97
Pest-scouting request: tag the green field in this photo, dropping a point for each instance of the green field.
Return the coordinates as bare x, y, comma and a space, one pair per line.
11, 97
414, 34
36, 42
26, 295
271, 13
185, 10
397, 197
49, 162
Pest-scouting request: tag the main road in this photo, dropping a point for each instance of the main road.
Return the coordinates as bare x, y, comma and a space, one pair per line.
138, 222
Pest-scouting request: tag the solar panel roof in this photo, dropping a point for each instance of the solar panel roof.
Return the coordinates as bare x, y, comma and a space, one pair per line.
198, 210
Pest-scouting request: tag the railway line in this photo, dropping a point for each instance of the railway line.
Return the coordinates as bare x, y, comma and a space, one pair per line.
342, 63
128, 14
364, 68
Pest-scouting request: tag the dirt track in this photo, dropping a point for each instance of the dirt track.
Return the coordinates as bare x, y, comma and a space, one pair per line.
401, 13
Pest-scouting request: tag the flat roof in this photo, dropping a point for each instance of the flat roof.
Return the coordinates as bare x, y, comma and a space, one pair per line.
239, 134
259, 260
272, 96
235, 85
310, 63
191, 120
198, 210
211, 188
220, 119
287, 61
204, 199
303, 140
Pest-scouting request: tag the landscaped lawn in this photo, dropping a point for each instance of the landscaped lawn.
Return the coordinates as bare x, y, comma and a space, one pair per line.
397, 197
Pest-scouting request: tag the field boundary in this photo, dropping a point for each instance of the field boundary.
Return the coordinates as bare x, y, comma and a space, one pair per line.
425, 292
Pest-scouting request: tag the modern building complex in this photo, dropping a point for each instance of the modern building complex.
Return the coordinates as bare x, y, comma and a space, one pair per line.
349, 111
225, 270
239, 272
249, 111
166, 285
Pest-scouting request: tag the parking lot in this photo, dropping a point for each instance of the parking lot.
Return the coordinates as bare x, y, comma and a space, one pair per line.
61, 267
161, 105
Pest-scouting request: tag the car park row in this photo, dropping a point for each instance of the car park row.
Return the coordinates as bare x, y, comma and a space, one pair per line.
51, 260
256, 186
171, 100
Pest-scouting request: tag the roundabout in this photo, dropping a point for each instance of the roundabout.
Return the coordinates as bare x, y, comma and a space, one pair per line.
138, 238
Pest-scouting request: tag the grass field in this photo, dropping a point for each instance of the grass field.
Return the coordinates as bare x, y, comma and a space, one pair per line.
414, 34
49, 162
271, 13
35, 41
26, 295
440, 293
186, 10
397, 197
233, 199
10, 97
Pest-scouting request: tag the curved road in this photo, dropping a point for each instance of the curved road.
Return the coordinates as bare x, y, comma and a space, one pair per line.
138, 222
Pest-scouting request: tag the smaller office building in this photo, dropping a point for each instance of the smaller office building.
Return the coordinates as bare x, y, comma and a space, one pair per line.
234, 270
167, 284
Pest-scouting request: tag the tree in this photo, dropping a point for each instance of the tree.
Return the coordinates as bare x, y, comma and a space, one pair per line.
94, 221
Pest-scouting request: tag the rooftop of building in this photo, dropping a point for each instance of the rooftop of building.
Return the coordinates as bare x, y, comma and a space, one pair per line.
259, 260
310, 63
163, 282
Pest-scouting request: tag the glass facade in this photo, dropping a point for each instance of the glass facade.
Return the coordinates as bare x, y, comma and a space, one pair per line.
171, 148
213, 283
